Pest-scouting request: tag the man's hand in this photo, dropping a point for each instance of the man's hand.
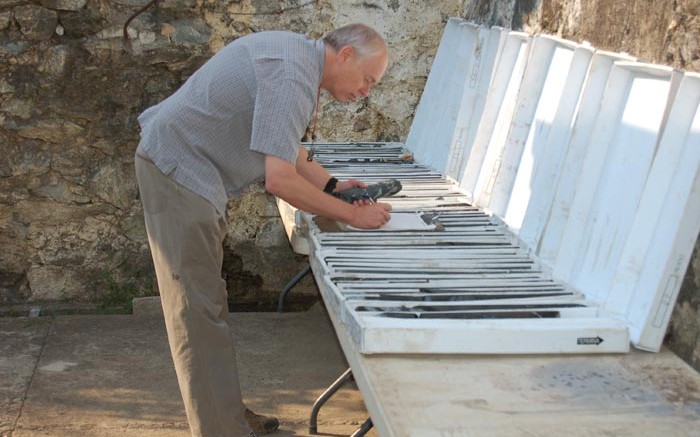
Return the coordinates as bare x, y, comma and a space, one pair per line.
370, 216
282, 180
367, 202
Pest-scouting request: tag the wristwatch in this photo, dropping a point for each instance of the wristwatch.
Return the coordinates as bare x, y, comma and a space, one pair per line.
330, 185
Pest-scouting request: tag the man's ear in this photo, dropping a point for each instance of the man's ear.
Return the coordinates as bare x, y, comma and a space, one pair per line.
345, 53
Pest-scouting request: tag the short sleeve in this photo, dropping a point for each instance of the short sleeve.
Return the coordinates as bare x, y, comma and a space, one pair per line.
282, 113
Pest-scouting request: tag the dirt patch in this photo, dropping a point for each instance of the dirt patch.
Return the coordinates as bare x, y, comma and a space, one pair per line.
675, 385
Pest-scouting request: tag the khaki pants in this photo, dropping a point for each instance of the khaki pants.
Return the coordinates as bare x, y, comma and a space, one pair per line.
186, 233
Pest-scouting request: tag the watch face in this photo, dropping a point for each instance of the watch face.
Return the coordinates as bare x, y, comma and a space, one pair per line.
330, 185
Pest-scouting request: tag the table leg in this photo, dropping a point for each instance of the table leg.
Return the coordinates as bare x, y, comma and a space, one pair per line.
303, 272
330, 391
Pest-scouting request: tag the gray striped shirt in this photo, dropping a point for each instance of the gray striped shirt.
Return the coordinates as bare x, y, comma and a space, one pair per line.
255, 97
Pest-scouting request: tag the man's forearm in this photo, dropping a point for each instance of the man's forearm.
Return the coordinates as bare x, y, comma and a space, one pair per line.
311, 171
286, 182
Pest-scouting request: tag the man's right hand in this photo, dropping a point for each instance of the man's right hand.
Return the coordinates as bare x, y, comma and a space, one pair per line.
283, 181
370, 216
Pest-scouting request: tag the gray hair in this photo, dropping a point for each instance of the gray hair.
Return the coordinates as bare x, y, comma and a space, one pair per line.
365, 40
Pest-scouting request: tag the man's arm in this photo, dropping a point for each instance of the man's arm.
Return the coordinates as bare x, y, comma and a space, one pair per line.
311, 171
314, 172
283, 180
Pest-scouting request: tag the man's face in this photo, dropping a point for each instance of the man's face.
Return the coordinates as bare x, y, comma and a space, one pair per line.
356, 75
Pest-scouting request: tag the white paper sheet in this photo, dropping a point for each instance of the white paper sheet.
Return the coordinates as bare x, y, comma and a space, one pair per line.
402, 221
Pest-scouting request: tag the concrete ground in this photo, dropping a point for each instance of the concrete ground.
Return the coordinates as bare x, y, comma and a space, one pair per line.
113, 375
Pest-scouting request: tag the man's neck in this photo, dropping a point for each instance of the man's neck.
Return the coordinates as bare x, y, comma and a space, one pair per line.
327, 66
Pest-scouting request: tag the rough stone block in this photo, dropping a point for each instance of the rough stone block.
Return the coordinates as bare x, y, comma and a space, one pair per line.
50, 131
146, 21
147, 37
11, 194
80, 23
36, 22
177, 5
5, 18
13, 48
14, 266
132, 2
6, 87
191, 32
64, 5
17, 108
113, 183
134, 228
63, 191
271, 234
53, 60
26, 158
54, 283
270, 209
10, 3
117, 32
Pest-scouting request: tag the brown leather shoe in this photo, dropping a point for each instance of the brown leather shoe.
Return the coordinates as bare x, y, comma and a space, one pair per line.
261, 424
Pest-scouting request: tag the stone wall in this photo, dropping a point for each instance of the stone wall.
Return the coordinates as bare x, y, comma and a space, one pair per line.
70, 90
71, 225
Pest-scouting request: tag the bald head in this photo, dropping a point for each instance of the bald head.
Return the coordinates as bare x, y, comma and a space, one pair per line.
356, 59
365, 41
